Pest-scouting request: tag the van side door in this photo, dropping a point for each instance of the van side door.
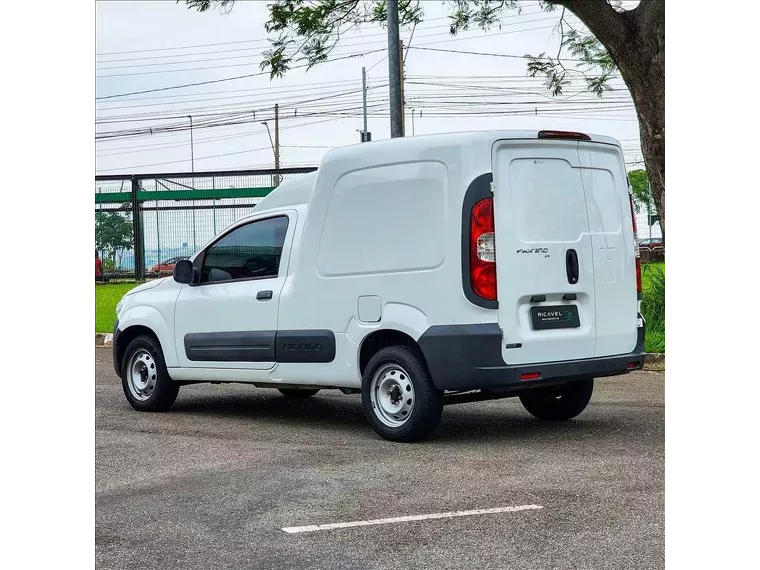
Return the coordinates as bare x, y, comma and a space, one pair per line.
228, 318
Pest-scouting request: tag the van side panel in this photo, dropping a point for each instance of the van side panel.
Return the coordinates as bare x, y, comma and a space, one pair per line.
386, 225
609, 217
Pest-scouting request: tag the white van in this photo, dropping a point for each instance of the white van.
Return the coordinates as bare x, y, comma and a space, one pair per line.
417, 271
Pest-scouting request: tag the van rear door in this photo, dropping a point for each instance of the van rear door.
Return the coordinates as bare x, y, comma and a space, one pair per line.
544, 252
565, 257
609, 215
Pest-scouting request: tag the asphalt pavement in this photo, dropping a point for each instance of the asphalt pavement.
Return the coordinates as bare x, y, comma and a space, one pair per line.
212, 483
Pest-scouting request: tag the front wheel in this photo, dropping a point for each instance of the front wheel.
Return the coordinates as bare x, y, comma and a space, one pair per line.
559, 403
144, 377
398, 395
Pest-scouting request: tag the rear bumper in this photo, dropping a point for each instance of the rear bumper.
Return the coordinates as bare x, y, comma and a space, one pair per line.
468, 357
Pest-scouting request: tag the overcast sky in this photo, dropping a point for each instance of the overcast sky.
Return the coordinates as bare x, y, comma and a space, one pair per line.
139, 45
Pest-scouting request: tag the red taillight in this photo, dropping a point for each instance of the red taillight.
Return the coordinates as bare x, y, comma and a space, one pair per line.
530, 376
568, 135
483, 250
636, 247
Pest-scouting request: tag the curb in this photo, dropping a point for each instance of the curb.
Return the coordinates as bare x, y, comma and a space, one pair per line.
652, 360
103, 339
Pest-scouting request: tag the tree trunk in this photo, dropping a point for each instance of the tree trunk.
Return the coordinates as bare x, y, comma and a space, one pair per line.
636, 42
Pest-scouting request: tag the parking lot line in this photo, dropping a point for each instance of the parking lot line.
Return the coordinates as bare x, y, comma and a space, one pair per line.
448, 515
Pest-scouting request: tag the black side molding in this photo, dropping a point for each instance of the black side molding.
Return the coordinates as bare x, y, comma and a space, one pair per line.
243, 346
261, 346
305, 346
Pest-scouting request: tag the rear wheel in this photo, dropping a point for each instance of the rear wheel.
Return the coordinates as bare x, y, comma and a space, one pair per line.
296, 393
559, 403
144, 378
398, 395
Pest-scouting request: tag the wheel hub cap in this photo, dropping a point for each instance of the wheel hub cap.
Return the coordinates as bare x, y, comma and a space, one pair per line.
392, 395
141, 375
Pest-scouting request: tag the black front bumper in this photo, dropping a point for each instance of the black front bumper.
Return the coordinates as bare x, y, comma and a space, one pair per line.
468, 357
115, 346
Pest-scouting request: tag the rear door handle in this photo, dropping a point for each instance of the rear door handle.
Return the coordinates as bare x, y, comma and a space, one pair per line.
571, 266
264, 295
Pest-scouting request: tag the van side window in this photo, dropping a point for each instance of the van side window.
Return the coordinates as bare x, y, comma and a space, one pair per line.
252, 251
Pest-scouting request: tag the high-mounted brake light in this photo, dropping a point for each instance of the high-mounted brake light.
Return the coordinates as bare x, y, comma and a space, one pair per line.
483, 250
569, 135
636, 247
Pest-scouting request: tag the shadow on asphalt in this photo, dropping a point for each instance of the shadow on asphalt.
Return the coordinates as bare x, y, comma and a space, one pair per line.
460, 423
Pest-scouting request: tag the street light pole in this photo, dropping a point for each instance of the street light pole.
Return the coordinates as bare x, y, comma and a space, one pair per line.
275, 181
192, 169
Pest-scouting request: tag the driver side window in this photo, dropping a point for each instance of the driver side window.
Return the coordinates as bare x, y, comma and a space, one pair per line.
252, 251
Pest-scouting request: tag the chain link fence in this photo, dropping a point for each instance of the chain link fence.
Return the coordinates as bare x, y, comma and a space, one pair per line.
144, 223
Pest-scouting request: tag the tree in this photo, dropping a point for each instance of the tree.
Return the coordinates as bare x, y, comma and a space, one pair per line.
113, 234
629, 41
640, 188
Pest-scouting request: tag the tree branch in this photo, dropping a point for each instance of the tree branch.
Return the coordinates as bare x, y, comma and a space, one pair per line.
609, 27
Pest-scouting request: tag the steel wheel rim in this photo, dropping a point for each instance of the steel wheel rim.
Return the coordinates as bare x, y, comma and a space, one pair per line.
142, 375
392, 395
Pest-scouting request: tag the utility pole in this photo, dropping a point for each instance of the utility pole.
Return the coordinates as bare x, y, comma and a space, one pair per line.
394, 71
277, 144
364, 102
401, 85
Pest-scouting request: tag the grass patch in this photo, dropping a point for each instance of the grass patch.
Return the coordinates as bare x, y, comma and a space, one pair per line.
106, 298
653, 306
648, 270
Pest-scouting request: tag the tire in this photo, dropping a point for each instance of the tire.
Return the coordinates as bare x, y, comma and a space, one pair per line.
144, 378
399, 398
297, 394
559, 403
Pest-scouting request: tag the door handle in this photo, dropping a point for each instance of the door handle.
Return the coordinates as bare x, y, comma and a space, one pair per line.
571, 266
264, 295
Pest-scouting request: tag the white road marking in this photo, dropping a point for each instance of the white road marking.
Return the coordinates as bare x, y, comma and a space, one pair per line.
451, 514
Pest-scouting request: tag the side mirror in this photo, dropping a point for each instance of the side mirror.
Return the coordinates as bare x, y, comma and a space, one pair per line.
184, 272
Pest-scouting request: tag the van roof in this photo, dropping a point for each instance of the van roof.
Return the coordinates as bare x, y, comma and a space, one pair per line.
298, 191
289, 193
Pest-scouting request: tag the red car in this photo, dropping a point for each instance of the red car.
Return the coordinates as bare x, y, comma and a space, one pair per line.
166, 267
651, 243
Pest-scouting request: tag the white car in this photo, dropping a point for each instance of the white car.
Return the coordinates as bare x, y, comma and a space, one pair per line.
417, 271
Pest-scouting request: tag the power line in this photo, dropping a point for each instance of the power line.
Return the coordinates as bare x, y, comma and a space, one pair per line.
215, 93
362, 41
262, 107
448, 41
209, 82
183, 160
152, 50
486, 53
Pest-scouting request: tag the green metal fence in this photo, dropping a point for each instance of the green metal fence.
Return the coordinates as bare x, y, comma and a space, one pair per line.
144, 222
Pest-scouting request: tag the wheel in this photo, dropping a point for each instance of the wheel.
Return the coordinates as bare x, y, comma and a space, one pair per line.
296, 393
398, 395
144, 378
559, 403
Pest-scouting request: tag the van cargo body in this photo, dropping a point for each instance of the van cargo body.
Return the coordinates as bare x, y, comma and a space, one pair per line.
419, 272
